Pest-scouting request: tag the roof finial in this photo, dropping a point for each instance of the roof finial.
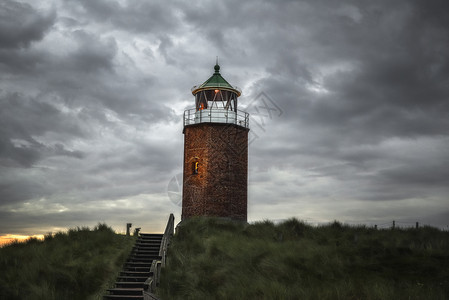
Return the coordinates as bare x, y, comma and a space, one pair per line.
217, 67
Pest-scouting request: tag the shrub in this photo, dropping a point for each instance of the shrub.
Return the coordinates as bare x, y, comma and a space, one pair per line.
79, 264
216, 259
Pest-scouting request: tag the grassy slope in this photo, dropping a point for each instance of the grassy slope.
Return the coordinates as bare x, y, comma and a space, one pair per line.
79, 264
213, 259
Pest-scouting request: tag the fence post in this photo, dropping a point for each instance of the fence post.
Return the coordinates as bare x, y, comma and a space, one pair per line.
394, 224
417, 225
375, 227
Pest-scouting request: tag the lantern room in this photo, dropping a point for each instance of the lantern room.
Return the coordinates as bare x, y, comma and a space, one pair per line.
216, 102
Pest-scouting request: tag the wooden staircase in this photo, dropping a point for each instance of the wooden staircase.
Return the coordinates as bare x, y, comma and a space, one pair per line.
130, 282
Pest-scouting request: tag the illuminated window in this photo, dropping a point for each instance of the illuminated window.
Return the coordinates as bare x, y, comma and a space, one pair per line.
195, 167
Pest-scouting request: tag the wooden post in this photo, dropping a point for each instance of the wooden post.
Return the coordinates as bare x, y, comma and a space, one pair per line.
128, 226
417, 225
394, 224
375, 226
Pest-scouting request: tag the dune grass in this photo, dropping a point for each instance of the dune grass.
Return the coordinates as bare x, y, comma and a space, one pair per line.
78, 264
216, 259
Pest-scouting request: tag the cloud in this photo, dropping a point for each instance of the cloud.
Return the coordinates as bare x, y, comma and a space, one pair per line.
21, 24
92, 95
138, 17
22, 119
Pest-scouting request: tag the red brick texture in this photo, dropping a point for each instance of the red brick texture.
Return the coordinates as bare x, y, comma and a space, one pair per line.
218, 187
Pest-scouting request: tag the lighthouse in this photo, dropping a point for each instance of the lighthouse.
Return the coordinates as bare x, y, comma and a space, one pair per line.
215, 174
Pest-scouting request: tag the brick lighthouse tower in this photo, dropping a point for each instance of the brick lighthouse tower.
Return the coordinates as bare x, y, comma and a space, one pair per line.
215, 176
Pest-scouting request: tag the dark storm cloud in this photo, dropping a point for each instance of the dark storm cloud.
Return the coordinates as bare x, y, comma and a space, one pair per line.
142, 17
75, 90
379, 74
17, 187
21, 118
21, 24
391, 92
429, 174
89, 76
92, 54
92, 93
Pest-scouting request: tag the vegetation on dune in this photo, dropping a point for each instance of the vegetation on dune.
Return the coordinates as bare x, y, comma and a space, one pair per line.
78, 264
216, 259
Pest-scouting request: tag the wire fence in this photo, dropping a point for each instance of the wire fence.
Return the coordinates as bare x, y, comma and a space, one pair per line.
394, 224
408, 225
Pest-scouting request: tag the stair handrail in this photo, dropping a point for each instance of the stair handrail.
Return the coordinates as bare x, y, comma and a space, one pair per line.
169, 231
153, 281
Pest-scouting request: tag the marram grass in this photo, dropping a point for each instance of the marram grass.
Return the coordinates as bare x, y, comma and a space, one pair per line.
216, 259
78, 264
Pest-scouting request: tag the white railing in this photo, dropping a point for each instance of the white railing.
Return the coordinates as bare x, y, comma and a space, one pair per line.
216, 115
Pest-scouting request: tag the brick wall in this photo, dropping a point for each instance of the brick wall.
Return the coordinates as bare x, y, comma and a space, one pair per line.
219, 188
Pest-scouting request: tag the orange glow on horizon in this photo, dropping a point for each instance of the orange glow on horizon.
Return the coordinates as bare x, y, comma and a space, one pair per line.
6, 239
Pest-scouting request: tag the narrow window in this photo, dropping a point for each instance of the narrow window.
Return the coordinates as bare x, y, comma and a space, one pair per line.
195, 167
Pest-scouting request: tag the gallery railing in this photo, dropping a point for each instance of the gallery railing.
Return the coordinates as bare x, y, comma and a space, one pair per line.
216, 115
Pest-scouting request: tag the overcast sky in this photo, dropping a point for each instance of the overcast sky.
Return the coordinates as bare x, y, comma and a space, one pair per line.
92, 95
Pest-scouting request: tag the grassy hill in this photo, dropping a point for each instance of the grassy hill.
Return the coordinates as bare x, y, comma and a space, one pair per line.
215, 259
78, 264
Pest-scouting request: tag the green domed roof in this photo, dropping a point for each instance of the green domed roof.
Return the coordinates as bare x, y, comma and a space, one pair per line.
216, 81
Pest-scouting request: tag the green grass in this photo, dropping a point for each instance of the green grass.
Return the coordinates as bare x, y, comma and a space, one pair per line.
216, 259
78, 264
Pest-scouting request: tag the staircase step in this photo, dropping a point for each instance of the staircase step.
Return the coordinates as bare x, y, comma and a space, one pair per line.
145, 252
143, 255
126, 291
137, 274
138, 263
149, 240
147, 259
132, 278
141, 261
158, 235
129, 284
123, 297
136, 269
150, 257
134, 264
146, 249
148, 244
